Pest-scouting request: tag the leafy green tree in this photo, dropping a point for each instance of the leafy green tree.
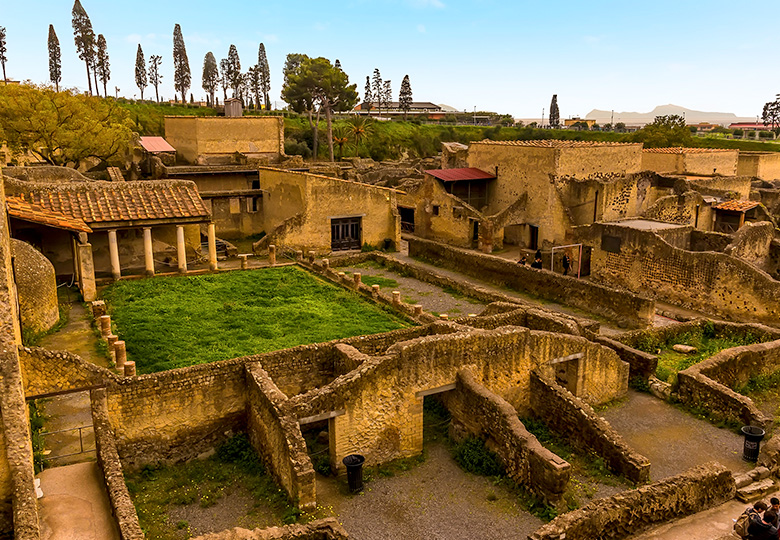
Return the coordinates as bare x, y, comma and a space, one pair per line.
63, 128
664, 131
405, 96
84, 37
265, 76
234, 70
182, 77
387, 94
620, 127
210, 76
155, 77
297, 93
337, 64
368, 97
770, 115
55, 59
224, 77
140, 71
360, 127
254, 79
102, 65
378, 90
3, 50
555, 114
340, 138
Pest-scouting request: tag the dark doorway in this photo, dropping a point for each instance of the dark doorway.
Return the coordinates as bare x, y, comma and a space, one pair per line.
475, 234
345, 233
407, 219
533, 237
567, 373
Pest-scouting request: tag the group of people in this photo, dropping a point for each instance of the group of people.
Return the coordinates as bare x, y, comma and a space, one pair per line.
565, 261
762, 520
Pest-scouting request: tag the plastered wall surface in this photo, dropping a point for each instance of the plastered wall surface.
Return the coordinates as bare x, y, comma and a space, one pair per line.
36, 286
763, 165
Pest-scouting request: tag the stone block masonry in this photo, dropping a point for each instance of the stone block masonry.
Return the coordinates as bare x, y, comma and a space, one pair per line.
578, 423
527, 462
631, 512
624, 307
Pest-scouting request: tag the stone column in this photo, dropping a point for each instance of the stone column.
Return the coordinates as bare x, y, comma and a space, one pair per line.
272, 255
113, 253
130, 369
148, 251
375, 291
121, 354
356, 279
86, 270
181, 250
212, 247
105, 325
397, 298
111, 339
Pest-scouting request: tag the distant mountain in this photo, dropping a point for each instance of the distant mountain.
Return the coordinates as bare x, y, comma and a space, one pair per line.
691, 116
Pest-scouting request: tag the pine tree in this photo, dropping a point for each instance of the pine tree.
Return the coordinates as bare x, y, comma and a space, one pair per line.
55, 59
405, 96
555, 115
368, 98
155, 77
3, 49
387, 94
265, 76
234, 70
224, 80
337, 64
103, 65
140, 71
182, 77
378, 90
84, 37
210, 75
254, 83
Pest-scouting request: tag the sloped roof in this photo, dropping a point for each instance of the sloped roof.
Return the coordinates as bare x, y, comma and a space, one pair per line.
466, 173
683, 150
555, 143
156, 144
109, 202
25, 211
735, 205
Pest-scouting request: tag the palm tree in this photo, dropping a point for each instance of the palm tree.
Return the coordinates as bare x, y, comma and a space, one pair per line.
360, 127
340, 138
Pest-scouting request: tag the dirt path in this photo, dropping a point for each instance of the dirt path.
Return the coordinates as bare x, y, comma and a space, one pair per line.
673, 440
76, 337
435, 500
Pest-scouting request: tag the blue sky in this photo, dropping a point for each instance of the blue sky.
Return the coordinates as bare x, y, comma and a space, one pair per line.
508, 56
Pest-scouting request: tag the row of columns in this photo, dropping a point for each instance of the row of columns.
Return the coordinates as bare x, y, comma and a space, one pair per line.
181, 250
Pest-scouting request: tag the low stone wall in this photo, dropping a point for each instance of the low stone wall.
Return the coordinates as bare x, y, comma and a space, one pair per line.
719, 328
322, 529
583, 428
709, 241
276, 435
641, 364
631, 512
624, 307
709, 383
45, 371
111, 467
486, 415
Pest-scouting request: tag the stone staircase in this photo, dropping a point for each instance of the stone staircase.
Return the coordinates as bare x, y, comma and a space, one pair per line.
754, 484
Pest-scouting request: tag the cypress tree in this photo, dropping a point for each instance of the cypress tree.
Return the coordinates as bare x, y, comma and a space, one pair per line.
555, 115
234, 70
224, 80
181, 65
405, 96
140, 71
155, 77
265, 76
55, 59
3, 58
210, 75
84, 37
103, 65
368, 98
378, 90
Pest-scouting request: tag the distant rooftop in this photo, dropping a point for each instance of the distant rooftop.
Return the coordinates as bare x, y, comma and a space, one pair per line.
645, 224
555, 143
466, 173
735, 205
684, 150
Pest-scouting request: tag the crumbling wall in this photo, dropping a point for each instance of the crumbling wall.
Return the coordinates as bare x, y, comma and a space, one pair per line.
621, 306
631, 512
321, 529
763, 165
709, 241
276, 436
731, 187
45, 371
441, 216
583, 428
687, 208
485, 415
751, 242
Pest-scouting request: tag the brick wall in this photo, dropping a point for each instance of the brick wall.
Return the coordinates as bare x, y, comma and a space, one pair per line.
576, 421
633, 310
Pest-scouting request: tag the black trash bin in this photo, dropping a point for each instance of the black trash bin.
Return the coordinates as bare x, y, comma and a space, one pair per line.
354, 465
753, 436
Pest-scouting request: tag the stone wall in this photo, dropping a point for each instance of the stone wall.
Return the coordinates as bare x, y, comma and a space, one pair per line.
641, 364
631, 512
111, 468
276, 436
763, 165
321, 529
576, 421
626, 308
709, 241
36, 287
687, 208
646, 264
485, 415
732, 187
45, 371
751, 242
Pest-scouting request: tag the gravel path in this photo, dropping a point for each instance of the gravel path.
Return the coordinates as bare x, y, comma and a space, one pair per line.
435, 500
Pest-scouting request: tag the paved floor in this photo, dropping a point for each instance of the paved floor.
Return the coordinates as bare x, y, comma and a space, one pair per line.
76, 337
74, 505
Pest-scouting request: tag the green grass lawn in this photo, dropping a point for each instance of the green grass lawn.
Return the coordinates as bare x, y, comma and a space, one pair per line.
171, 322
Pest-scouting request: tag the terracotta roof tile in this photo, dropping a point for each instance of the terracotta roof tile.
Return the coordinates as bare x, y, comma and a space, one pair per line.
155, 144
683, 150
736, 205
105, 202
467, 173
20, 209
555, 143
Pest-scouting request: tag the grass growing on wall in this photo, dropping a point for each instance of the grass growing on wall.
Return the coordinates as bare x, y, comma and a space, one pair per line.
181, 321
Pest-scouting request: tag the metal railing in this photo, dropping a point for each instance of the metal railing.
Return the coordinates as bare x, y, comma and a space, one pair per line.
80, 429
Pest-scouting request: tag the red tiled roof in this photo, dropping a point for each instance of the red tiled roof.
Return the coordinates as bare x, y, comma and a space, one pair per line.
467, 173
735, 205
20, 209
108, 202
555, 143
156, 144
682, 150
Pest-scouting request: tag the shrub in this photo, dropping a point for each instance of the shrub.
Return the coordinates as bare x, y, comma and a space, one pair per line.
474, 457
